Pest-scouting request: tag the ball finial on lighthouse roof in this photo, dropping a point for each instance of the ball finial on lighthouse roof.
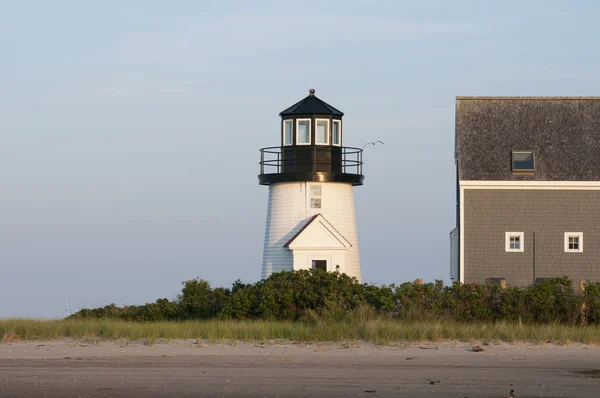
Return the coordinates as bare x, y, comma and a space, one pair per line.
311, 92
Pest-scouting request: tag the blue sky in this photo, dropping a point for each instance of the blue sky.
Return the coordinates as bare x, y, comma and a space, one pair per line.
130, 130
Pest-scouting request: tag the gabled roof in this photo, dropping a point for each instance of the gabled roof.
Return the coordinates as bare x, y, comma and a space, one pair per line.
563, 132
318, 233
311, 105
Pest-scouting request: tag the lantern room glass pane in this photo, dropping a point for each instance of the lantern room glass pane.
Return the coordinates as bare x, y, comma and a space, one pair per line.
322, 132
288, 132
336, 133
303, 132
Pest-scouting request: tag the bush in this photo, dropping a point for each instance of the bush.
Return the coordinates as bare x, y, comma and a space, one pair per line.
591, 300
290, 295
199, 301
315, 294
554, 300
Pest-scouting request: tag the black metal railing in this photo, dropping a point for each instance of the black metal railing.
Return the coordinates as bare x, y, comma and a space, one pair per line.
310, 159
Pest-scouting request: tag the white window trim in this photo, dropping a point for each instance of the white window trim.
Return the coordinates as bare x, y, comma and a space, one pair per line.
521, 236
309, 131
327, 132
286, 121
339, 122
570, 234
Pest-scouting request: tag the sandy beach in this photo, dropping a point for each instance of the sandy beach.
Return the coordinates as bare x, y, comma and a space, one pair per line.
69, 368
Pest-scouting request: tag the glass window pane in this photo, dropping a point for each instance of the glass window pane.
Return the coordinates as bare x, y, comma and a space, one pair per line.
336, 133
322, 133
303, 132
288, 133
515, 242
523, 160
573, 242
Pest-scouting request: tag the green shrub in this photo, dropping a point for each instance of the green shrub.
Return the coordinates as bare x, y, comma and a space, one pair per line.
290, 295
554, 300
591, 299
467, 302
309, 295
199, 301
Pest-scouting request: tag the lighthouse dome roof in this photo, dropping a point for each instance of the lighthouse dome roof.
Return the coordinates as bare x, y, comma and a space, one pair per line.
311, 105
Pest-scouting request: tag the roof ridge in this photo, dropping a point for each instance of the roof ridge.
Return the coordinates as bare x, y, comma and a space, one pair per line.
525, 97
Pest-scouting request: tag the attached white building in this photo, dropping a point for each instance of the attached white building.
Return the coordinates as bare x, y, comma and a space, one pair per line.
311, 219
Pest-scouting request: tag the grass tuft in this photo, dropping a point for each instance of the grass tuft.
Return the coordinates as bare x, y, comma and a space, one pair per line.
364, 328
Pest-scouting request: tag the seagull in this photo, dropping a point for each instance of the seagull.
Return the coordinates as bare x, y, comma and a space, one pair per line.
372, 143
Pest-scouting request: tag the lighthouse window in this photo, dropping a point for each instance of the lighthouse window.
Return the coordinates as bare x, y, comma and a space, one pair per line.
337, 132
322, 131
288, 132
303, 132
315, 196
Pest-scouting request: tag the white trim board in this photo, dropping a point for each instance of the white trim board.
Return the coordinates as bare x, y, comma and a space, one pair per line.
573, 234
461, 264
520, 235
318, 234
482, 184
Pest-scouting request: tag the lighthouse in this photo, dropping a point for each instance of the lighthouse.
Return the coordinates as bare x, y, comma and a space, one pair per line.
311, 221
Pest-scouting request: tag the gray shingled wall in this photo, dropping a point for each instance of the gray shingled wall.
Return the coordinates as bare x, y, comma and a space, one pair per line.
490, 213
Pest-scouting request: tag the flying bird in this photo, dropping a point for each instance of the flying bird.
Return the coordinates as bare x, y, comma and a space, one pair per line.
372, 143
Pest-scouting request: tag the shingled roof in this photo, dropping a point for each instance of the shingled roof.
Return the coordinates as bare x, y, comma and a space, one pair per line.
564, 132
311, 105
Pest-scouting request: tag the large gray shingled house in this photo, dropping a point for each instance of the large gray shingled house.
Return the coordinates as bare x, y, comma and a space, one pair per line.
527, 189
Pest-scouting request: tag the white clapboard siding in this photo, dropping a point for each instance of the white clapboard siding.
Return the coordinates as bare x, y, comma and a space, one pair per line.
289, 210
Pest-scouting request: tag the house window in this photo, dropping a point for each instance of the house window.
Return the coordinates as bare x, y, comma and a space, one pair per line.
573, 242
321, 264
337, 132
303, 132
322, 137
523, 161
514, 242
288, 132
315, 196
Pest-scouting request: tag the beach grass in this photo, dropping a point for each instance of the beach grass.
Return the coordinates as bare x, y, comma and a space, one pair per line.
378, 330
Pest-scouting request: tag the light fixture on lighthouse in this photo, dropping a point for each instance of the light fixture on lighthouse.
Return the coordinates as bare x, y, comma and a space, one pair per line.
311, 220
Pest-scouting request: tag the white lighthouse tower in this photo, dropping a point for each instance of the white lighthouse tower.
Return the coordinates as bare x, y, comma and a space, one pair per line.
311, 221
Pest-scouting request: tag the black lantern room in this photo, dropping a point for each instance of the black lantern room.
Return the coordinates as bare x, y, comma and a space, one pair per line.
311, 147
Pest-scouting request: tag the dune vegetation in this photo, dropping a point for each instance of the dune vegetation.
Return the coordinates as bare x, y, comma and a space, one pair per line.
316, 306
376, 330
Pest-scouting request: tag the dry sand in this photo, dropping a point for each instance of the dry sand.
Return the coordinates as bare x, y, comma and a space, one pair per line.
69, 368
